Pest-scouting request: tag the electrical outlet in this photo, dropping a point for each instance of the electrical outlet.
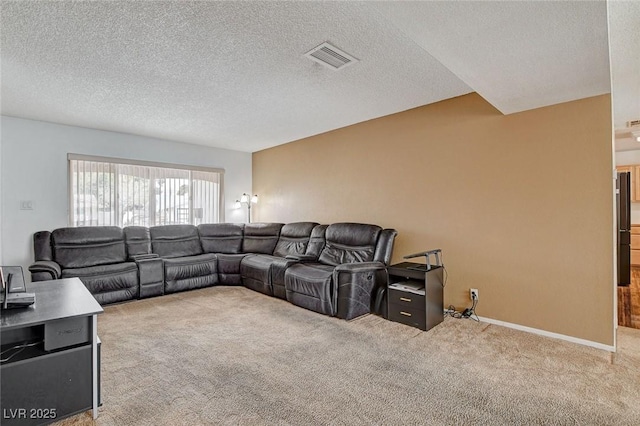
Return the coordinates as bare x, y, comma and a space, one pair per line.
473, 294
26, 205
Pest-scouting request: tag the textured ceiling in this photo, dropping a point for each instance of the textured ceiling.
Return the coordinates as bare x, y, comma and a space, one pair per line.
227, 74
233, 74
517, 55
624, 35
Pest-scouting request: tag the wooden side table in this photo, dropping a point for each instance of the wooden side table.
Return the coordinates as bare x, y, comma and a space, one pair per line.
415, 294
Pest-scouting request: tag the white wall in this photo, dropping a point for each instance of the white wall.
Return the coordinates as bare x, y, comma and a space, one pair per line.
624, 158
33, 166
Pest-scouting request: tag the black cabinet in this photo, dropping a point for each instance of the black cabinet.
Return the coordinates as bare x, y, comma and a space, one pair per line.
415, 294
50, 367
59, 384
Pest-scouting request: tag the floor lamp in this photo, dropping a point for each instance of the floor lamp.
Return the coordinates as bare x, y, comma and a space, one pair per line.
248, 200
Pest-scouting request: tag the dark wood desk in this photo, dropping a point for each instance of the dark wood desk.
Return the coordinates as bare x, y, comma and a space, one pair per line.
50, 367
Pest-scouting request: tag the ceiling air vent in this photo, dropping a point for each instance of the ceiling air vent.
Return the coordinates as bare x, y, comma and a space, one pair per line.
633, 123
330, 56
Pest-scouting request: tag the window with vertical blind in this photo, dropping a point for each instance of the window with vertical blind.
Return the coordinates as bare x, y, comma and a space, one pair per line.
109, 191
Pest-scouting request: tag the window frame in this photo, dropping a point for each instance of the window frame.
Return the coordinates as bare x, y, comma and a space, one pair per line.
125, 161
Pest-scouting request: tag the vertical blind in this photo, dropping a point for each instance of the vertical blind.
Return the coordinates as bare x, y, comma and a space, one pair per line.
105, 192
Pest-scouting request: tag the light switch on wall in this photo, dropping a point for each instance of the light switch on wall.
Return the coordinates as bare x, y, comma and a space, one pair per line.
26, 205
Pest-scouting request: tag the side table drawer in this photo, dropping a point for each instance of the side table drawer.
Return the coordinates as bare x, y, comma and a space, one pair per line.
406, 315
406, 299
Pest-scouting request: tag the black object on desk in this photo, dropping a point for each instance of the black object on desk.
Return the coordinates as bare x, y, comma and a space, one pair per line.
415, 292
437, 253
50, 355
14, 293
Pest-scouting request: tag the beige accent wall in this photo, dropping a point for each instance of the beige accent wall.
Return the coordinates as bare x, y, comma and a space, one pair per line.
521, 204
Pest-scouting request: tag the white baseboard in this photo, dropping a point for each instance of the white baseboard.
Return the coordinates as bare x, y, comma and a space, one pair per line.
550, 334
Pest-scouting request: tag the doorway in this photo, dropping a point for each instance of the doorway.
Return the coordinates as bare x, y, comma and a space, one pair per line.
629, 301
628, 238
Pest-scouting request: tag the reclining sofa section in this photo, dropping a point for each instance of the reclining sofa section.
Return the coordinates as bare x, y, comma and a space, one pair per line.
332, 269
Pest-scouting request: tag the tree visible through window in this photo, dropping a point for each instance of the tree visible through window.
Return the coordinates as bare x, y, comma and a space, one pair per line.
105, 192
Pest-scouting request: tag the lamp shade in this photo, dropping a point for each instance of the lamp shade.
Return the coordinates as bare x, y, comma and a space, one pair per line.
237, 204
254, 199
244, 198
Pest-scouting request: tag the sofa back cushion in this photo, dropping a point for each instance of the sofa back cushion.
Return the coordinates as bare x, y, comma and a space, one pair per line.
88, 246
261, 237
221, 237
175, 240
137, 240
349, 243
294, 238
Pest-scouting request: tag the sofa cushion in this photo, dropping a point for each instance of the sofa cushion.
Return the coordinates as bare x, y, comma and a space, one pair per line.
229, 268
255, 270
279, 268
170, 241
261, 237
294, 238
184, 273
221, 237
310, 286
88, 246
349, 242
265, 273
108, 283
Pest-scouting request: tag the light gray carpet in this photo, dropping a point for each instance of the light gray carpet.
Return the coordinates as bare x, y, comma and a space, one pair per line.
228, 355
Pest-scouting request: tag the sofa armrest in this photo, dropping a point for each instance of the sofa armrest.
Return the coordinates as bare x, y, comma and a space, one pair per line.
150, 275
42, 270
140, 257
384, 247
356, 286
360, 267
302, 257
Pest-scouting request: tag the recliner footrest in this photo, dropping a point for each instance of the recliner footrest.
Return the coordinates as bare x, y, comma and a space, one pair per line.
311, 286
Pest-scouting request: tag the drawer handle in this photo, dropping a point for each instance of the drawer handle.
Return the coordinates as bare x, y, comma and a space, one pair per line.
405, 299
406, 314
